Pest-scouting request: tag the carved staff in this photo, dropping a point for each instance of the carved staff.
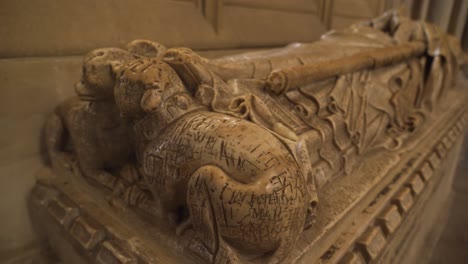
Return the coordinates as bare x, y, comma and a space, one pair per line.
282, 80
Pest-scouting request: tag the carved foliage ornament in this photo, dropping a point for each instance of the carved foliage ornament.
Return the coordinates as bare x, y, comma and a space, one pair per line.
234, 149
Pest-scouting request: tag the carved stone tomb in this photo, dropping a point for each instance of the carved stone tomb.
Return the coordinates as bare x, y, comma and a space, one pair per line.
336, 151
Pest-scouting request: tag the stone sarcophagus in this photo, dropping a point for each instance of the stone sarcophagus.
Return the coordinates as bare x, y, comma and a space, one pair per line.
337, 151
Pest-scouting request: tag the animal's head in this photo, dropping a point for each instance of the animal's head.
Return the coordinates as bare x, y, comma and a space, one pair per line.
147, 85
146, 48
98, 80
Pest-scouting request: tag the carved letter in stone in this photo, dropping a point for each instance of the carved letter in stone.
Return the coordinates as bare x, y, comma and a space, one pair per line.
242, 186
227, 157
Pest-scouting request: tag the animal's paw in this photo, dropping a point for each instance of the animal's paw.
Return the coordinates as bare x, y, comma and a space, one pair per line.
181, 56
60, 159
196, 246
184, 226
130, 174
133, 195
222, 255
226, 255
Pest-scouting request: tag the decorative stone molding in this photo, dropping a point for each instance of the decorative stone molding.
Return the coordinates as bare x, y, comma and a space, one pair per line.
312, 152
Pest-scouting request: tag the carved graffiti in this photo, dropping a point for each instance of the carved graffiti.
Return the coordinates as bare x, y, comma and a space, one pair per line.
231, 152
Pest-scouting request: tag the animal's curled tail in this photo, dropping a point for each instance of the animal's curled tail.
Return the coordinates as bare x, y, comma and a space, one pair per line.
261, 219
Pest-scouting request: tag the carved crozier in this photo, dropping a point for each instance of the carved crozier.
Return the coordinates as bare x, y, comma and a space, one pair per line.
324, 152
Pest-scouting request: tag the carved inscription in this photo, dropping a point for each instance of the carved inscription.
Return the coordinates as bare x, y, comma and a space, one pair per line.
255, 188
234, 150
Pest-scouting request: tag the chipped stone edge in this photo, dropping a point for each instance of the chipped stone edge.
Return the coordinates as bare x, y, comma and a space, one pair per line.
368, 246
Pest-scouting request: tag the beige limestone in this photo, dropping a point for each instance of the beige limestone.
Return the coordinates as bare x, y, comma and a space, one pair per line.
50, 79
225, 151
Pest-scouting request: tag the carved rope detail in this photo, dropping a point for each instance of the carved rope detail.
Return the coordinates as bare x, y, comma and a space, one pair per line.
368, 246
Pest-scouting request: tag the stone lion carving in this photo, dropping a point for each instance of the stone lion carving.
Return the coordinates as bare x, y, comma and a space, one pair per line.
233, 149
90, 123
242, 186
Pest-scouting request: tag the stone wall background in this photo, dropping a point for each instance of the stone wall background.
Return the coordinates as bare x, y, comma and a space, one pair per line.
42, 43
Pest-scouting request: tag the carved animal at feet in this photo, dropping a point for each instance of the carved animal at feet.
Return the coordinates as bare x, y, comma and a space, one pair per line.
101, 141
243, 188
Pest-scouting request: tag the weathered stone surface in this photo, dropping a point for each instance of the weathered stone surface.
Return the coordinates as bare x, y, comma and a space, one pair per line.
372, 242
63, 211
404, 200
110, 253
426, 171
353, 258
87, 233
416, 184
390, 219
229, 156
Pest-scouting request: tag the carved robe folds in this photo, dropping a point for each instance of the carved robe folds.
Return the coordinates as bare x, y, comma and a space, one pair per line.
264, 157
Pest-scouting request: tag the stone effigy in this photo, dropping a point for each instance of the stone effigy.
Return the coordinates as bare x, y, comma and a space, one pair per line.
317, 152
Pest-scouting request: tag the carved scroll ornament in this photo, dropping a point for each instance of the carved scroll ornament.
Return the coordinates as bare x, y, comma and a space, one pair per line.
234, 149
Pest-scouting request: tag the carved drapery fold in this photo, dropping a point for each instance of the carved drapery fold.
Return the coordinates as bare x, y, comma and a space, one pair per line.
234, 151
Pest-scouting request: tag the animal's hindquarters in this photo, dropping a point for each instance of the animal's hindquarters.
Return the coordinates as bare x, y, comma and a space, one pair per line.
253, 218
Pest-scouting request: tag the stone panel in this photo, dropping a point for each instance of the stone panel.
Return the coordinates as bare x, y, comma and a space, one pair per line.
45, 28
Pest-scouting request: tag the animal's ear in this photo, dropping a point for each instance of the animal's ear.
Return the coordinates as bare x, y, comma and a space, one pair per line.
146, 48
190, 67
151, 100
